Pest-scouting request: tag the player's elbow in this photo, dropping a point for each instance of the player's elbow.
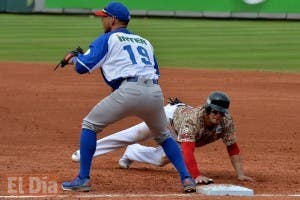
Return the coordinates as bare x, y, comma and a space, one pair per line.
80, 69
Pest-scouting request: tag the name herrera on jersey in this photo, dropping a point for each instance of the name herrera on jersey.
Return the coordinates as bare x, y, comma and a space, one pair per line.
136, 40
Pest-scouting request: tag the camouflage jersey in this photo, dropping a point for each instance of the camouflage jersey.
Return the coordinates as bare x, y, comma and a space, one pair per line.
188, 124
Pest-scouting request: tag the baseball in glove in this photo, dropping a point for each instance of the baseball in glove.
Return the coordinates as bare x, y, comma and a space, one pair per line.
68, 57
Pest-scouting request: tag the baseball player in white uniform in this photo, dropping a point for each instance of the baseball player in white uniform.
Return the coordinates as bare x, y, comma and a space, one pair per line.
192, 127
129, 67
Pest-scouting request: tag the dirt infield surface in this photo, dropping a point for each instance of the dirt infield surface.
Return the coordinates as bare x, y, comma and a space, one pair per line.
41, 113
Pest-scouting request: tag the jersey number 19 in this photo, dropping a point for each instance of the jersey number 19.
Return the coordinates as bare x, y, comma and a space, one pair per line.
142, 52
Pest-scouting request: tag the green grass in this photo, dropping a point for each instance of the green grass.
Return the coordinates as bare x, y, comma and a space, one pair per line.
196, 43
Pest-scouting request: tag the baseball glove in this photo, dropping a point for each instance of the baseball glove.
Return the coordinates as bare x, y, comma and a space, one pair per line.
68, 56
174, 101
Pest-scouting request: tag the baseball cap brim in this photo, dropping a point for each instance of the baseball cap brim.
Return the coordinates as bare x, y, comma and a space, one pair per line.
101, 13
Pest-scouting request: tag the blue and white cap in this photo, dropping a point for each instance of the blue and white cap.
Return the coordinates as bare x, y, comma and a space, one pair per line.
115, 9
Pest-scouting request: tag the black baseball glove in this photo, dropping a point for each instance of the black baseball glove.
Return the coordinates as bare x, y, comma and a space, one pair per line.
68, 56
174, 101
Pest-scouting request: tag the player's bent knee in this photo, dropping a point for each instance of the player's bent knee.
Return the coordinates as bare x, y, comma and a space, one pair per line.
161, 138
164, 161
88, 125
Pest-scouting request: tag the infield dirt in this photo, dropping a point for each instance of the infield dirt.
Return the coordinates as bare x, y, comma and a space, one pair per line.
41, 113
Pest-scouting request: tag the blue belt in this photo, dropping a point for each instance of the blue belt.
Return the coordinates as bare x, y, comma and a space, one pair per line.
135, 79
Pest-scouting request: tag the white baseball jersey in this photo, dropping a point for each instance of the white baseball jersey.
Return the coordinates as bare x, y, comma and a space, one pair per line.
119, 54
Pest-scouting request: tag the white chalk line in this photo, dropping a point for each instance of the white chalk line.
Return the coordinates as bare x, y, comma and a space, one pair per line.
131, 196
